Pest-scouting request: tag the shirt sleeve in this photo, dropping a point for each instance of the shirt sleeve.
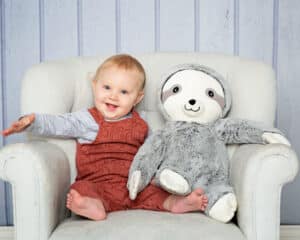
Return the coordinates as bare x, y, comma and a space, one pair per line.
80, 125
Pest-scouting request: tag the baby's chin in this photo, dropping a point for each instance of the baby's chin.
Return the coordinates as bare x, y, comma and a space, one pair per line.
112, 115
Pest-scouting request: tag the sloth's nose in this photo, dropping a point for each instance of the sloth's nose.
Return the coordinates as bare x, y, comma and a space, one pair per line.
192, 101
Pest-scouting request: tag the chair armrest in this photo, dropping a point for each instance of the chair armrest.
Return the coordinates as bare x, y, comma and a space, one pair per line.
40, 176
258, 173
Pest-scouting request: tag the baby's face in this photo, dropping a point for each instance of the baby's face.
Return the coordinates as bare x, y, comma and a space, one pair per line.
116, 92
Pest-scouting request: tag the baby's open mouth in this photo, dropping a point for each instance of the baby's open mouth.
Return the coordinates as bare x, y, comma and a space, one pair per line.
111, 107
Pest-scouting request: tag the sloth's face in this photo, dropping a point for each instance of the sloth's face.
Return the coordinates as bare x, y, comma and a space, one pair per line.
193, 96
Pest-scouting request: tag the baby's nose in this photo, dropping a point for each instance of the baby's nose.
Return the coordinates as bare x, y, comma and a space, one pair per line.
113, 94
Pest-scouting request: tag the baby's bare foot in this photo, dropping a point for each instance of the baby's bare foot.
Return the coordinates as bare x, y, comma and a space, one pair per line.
85, 206
195, 201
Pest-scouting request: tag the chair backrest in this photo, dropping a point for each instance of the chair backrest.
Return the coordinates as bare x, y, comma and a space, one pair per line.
65, 86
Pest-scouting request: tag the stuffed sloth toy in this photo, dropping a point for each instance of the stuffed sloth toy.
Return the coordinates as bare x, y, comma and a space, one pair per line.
190, 151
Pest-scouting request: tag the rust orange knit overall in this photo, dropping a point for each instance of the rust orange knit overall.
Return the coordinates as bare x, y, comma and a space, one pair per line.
103, 166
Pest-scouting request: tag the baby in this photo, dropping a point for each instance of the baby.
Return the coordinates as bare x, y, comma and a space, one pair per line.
108, 137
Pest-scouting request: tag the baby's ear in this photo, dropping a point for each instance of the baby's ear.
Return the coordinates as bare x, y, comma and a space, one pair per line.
90, 76
139, 97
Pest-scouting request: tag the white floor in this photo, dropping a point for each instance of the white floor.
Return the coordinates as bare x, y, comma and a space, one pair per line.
288, 232
6, 233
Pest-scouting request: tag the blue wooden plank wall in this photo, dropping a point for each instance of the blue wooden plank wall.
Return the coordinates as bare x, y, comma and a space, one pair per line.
32, 31
287, 64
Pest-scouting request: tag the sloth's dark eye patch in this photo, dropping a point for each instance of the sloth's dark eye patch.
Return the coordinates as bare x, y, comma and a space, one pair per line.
175, 89
215, 96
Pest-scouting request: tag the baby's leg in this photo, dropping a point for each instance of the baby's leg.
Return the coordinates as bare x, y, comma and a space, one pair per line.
195, 201
91, 208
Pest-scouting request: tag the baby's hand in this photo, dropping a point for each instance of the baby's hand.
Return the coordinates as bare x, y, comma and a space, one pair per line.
19, 125
269, 137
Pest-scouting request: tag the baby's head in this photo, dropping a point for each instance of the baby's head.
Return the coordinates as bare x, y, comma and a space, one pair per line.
118, 86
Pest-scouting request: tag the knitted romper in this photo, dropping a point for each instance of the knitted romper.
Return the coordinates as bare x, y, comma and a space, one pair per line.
103, 165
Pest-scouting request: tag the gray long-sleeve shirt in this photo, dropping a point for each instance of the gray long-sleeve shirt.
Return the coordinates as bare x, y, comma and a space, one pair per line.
80, 125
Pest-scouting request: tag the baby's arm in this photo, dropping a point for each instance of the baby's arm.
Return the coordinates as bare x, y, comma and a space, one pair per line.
145, 164
80, 125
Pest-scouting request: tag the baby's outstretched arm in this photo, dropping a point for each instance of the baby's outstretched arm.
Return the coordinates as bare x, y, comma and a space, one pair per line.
79, 125
20, 125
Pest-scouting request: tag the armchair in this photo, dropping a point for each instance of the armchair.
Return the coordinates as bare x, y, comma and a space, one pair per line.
41, 169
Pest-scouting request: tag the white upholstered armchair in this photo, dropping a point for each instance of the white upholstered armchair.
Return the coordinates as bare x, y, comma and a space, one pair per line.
41, 169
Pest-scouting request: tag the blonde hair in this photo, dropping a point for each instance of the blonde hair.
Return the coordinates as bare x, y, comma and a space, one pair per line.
125, 62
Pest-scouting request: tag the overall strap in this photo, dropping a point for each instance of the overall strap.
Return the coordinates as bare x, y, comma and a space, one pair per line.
96, 115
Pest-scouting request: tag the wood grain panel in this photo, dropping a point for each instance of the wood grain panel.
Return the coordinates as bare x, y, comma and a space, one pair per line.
256, 29
98, 27
60, 29
137, 26
177, 24
288, 62
3, 220
216, 26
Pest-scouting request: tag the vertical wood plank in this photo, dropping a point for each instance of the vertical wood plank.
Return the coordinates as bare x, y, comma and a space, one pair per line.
1, 69
3, 220
288, 62
2, 45
60, 29
21, 37
177, 24
98, 27
22, 50
137, 30
256, 30
216, 26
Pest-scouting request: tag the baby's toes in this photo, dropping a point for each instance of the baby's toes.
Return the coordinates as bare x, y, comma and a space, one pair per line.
199, 191
203, 207
205, 198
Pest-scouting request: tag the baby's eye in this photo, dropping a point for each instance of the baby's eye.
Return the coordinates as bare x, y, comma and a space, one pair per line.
124, 91
106, 87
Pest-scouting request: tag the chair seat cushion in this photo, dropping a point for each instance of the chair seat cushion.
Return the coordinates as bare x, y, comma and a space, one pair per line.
141, 224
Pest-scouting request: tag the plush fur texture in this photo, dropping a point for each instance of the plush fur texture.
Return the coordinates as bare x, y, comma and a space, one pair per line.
196, 147
195, 151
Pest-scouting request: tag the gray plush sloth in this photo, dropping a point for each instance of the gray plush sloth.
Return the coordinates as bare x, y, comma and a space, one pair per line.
190, 151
